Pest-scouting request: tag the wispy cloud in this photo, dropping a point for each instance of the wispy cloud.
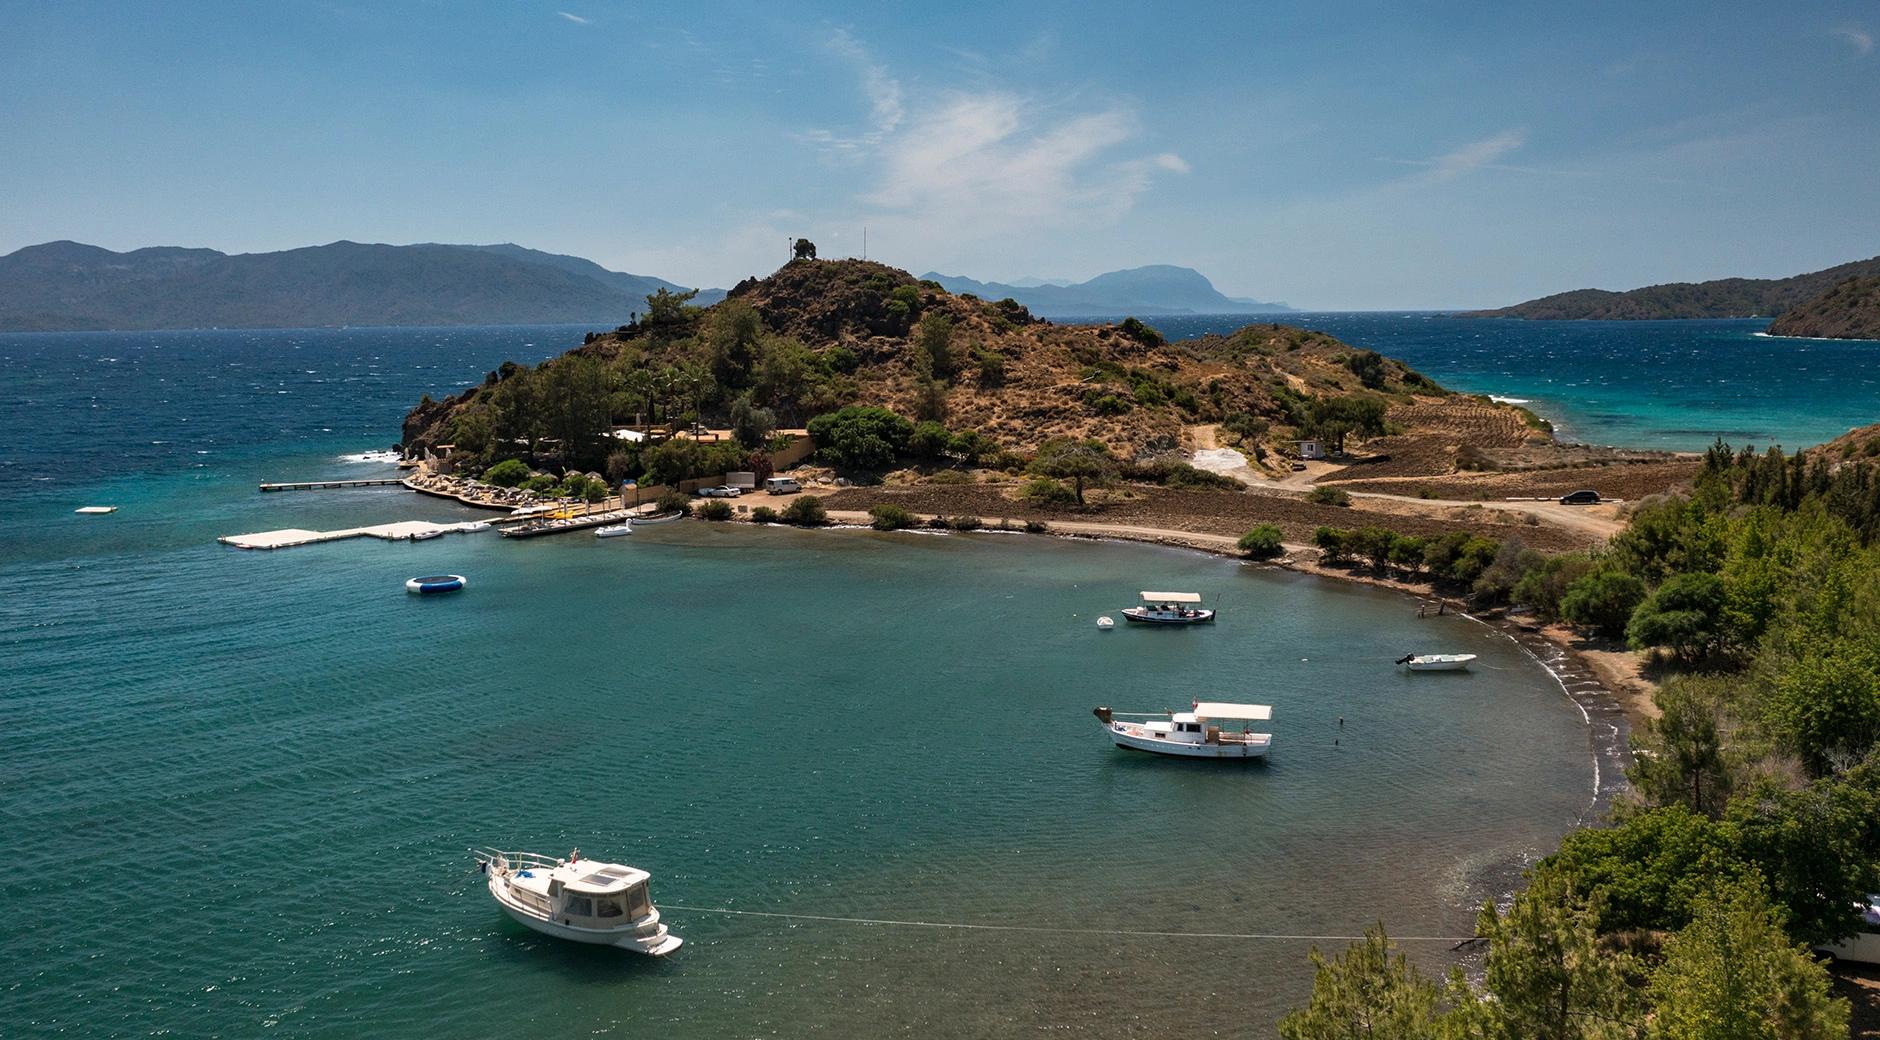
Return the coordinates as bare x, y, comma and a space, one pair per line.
978, 166
1860, 39
575, 18
886, 102
1476, 155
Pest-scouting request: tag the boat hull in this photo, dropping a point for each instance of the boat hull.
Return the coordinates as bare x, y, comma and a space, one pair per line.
1445, 665
646, 935
1121, 734
1151, 617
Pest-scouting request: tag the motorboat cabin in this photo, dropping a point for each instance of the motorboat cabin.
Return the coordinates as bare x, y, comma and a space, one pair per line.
583, 900
1196, 733
1169, 608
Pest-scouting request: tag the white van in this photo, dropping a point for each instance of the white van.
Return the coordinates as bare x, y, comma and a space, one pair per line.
782, 486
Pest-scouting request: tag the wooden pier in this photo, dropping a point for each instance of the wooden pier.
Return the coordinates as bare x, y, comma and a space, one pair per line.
320, 485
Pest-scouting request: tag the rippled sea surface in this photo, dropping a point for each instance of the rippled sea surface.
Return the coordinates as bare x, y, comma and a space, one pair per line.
1674, 385
238, 786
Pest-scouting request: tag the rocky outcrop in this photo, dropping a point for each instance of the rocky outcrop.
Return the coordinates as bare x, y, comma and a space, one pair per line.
1850, 310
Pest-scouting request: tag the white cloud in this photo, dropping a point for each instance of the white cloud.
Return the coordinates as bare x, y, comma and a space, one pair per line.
879, 87
1476, 155
1860, 39
575, 18
973, 167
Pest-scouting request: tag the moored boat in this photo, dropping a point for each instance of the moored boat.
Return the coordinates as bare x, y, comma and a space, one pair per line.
1194, 733
614, 530
657, 518
586, 901
1169, 608
1436, 662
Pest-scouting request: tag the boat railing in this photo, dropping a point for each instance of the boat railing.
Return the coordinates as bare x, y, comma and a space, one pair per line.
516, 860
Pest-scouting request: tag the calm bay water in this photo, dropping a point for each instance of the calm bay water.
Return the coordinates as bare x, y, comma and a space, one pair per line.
238, 786
1673, 385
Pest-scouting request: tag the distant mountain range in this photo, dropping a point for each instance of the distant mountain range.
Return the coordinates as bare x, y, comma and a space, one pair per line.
1156, 289
1723, 298
72, 286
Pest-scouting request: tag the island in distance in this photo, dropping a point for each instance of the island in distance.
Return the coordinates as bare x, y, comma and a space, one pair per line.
1155, 289
1720, 298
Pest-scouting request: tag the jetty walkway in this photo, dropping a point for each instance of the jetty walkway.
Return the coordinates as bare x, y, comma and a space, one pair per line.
402, 531
320, 485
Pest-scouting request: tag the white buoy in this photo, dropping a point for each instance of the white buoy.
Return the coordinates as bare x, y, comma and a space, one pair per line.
1105, 624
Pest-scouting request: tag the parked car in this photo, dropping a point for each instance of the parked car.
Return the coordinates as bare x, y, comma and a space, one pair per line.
721, 491
782, 486
1580, 498
1299, 467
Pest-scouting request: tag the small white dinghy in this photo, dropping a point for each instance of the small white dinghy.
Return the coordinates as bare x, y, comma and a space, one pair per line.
1104, 623
1188, 734
614, 530
1436, 662
586, 901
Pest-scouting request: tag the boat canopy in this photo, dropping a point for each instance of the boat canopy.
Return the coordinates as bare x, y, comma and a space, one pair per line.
1223, 710
1171, 597
607, 877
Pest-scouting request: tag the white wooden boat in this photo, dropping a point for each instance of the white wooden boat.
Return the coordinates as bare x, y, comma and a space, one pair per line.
1436, 662
614, 530
1192, 734
657, 518
1169, 608
585, 901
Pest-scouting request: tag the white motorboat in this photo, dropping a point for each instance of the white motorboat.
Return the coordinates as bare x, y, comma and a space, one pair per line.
1436, 662
1169, 608
1105, 624
585, 901
1194, 733
614, 530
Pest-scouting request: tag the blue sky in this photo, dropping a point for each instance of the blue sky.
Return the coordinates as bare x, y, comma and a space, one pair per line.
1332, 155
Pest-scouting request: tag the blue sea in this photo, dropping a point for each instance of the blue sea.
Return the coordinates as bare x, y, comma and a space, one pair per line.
1672, 385
238, 786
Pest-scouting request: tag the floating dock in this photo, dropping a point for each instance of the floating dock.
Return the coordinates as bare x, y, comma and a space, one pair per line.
541, 526
403, 531
320, 485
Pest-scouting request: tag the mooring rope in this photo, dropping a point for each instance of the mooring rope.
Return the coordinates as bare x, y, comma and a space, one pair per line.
1058, 930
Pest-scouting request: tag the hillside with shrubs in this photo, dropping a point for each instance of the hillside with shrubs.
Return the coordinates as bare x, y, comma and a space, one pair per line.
981, 381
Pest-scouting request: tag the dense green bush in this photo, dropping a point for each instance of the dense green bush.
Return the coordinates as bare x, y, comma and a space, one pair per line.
1603, 601
1145, 334
965, 523
861, 438
715, 509
929, 442
1262, 543
1328, 496
805, 511
890, 517
507, 473
673, 501
763, 515
1044, 491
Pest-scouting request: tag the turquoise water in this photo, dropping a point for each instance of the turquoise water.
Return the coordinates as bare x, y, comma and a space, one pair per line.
238, 786
1673, 385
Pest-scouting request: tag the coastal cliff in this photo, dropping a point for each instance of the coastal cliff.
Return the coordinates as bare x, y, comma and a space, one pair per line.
1850, 310
1721, 298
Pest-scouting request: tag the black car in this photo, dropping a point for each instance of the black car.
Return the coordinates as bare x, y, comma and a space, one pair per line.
1580, 498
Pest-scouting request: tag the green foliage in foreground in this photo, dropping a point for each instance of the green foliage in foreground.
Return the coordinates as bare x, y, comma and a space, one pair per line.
715, 509
1755, 821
